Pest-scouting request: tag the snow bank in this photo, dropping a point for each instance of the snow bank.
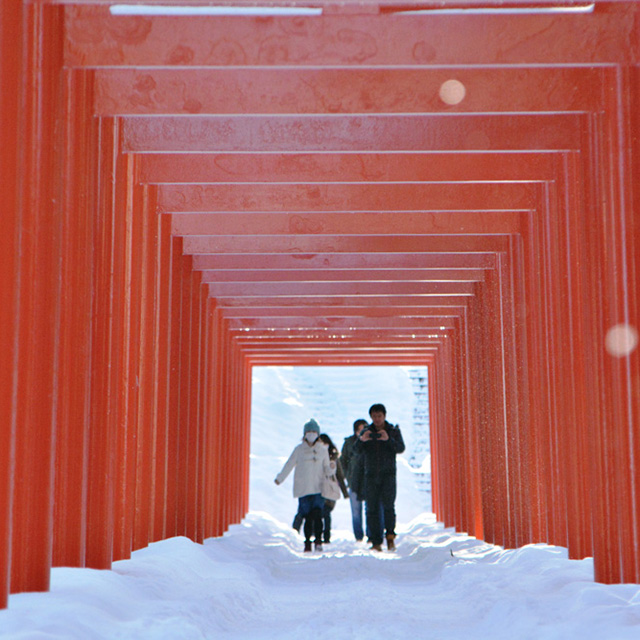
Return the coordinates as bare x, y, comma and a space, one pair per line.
255, 583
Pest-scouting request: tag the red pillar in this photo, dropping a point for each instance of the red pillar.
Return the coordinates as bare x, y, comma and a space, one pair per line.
75, 348
149, 423
215, 446
11, 32
124, 359
163, 332
39, 308
106, 339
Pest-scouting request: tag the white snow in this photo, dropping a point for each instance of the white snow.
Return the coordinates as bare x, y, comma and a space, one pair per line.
256, 583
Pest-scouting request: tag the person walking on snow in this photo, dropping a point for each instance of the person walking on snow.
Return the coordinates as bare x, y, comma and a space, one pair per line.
354, 472
310, 459
334, 486
379, 443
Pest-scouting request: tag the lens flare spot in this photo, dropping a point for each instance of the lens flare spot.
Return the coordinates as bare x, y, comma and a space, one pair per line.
452, 92
621, 340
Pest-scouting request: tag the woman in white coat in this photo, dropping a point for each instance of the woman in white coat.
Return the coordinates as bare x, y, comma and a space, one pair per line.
310, 459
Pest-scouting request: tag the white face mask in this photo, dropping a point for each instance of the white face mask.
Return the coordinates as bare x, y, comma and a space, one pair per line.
311, 436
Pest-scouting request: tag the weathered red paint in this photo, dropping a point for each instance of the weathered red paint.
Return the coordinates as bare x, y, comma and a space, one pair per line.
75, 337
39, 252
371, 39
346, 90
10, 143
186, 198
400, 166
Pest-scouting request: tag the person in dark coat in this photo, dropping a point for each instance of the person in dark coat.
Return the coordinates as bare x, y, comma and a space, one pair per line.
329, 503
379, 443
353, 467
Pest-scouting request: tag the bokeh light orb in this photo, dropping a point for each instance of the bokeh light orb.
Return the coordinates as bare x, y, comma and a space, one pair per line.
621, 340
452, 92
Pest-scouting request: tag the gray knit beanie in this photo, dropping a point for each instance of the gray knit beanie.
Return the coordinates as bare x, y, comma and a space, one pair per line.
312, 425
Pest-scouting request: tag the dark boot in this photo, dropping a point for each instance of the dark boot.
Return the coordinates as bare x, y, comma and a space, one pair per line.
318, 545
316, 524
307, 545
391, 545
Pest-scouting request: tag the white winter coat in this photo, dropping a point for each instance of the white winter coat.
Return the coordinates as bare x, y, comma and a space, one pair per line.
311, 465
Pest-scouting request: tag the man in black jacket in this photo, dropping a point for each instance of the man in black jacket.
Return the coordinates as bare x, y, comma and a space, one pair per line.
379, 443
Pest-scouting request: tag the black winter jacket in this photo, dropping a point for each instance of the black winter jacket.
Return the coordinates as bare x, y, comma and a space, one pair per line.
353, 465
380, 456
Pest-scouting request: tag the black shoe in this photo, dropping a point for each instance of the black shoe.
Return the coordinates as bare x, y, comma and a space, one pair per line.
307, 545
327, 541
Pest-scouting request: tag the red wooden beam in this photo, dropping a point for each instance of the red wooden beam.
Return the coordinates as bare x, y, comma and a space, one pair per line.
346, 309
388, 300
415, 323
420, 166
350, 133
345, 224
389, 262
326, 359
126, 91
350, 290
448, 196
343, 275
97, 39
333, 334
301, 244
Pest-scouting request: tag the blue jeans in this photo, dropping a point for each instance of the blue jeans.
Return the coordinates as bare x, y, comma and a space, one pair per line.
310, 508
356, 514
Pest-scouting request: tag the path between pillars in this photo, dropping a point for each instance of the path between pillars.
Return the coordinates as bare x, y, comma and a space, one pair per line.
256, 583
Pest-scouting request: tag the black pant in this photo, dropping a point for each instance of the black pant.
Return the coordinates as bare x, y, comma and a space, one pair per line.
326, 518
313, 525
310, 508
380, 493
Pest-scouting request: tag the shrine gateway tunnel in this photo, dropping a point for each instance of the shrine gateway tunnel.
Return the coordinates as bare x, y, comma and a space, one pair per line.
334, 182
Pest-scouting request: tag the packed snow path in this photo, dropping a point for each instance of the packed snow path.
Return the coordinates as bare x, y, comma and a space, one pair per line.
256, 583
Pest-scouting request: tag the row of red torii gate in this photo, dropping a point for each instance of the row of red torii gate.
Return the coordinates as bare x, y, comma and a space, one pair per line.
186, 195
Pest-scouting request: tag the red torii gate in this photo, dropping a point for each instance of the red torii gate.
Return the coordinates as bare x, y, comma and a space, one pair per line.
186, 197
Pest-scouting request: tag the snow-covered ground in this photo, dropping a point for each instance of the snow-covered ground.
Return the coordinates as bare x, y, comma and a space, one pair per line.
256, 583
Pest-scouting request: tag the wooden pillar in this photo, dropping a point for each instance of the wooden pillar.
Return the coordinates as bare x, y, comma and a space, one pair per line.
162, 340
11, 142
618, 542
214, 445
150, 425
39, 287
102, 441
125, 328
173, 425
75, 347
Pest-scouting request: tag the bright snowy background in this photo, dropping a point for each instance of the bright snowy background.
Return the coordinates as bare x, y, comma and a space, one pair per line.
255, 582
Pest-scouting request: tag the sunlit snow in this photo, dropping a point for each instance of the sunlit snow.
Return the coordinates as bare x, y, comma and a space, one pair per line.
255, 582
